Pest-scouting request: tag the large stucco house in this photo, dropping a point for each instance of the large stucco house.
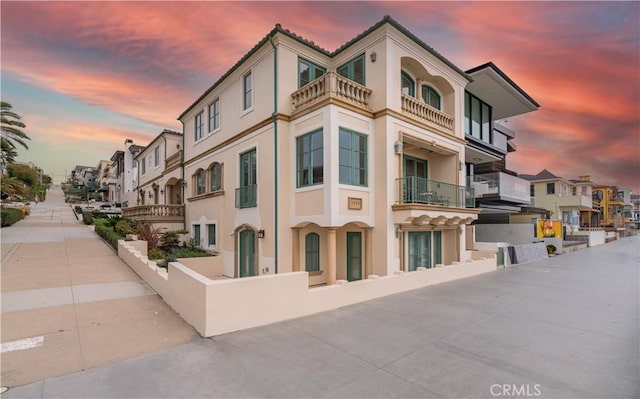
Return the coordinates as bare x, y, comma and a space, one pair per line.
344, 164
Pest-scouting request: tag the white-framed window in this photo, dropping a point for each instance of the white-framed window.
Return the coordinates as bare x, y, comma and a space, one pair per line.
214, 115
143, 166
352, 168
199, 125
211, 235
247, 89
156, 156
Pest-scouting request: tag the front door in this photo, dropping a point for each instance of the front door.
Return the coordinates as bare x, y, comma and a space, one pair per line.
419, 249
246, 253
354, 256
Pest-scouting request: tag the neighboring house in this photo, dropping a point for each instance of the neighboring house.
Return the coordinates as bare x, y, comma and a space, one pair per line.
571, 201
627, 213
612, 202
128, 176
159, 183
493, 97
344, 164
635, 211
78, 174
103, 179
116, 170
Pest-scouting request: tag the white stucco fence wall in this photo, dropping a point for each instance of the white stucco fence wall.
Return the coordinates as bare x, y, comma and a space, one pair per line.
217, 307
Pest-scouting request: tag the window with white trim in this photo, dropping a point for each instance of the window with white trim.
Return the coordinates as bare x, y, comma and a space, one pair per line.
352, 158
199, 125
247, 88
156, 156
214, 115
211, 235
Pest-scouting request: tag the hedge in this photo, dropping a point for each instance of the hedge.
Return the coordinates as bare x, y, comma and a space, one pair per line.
106, 232
10, 215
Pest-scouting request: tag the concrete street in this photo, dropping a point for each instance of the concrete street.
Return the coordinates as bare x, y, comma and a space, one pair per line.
69, 303
567, 326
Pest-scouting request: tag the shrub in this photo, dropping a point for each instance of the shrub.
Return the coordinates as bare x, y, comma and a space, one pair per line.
10, 215
155, 253
124, 227
189, 253
147, 232
107, 233
78, 209
170, 240
87, 217
551, 249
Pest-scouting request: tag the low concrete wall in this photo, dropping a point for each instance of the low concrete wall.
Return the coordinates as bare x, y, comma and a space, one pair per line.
594, 238
217, 307
526, 253
209, 266
512, 233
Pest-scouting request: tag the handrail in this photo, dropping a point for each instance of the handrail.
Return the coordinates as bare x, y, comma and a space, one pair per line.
426, 112
418, 190
331, 85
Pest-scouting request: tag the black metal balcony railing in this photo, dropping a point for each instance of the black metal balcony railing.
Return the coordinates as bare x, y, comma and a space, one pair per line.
418, 190
247, 197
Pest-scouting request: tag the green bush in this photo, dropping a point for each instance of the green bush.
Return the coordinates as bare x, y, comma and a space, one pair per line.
551, 249
107, 233
155, 253
124, 227
189, 253
10, 215
87, 217
78, 209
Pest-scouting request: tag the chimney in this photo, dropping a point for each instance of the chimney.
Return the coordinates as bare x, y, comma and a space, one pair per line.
585, 178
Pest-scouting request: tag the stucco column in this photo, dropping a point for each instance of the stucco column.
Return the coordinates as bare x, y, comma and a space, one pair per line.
368, 252
331, 256
295, 261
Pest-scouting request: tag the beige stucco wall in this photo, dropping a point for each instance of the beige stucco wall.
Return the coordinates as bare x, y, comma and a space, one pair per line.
222, 306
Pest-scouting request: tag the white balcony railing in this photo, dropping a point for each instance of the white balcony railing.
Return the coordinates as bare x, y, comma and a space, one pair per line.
331, 85
425, 112
501, 185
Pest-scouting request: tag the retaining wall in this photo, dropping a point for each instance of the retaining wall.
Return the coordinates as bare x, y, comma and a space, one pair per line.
217, 307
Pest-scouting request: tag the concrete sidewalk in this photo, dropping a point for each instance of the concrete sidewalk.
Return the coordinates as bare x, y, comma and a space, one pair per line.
69, 303
564, 327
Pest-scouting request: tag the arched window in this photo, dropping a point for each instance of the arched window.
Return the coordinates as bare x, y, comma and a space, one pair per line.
407, 84
215, 177
312, 252
200, 186
431, 96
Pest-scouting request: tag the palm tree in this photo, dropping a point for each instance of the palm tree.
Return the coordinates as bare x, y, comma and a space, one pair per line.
11, 126
8, 153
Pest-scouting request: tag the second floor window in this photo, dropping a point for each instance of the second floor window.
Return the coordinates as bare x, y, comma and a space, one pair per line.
199, 126
156, 156
431, 96
247, 192
214, 115
352, 158
309, 159
200, 187
215, 173
532, 190
143, 166
247, 87
308, 72
354, 70
551, 188
407, 85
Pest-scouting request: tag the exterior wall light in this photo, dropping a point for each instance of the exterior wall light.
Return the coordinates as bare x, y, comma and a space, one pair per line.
398, 232
397, 146
373, 56
260, 233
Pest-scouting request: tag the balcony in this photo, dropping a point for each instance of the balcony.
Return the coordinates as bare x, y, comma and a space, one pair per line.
418, 190
500, 186
330, 86
155, 213
426, 113
247, 197
575, 201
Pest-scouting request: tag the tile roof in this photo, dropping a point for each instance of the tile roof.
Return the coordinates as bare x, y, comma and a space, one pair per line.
279, 29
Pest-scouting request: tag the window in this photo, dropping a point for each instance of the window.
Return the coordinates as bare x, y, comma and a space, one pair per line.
143, 166
247, 87
431, 96
354, 70
199, 127
196, 234
215, 176
312, 252
308, 72
211, 235
551, 188
246, 195
574, 190
156, 156
200, 187
532, 190
477, 118
309, 155
352, 158
214, 115
408, 86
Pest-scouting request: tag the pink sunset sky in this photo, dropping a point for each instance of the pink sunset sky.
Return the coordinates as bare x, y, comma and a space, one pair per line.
87, 75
